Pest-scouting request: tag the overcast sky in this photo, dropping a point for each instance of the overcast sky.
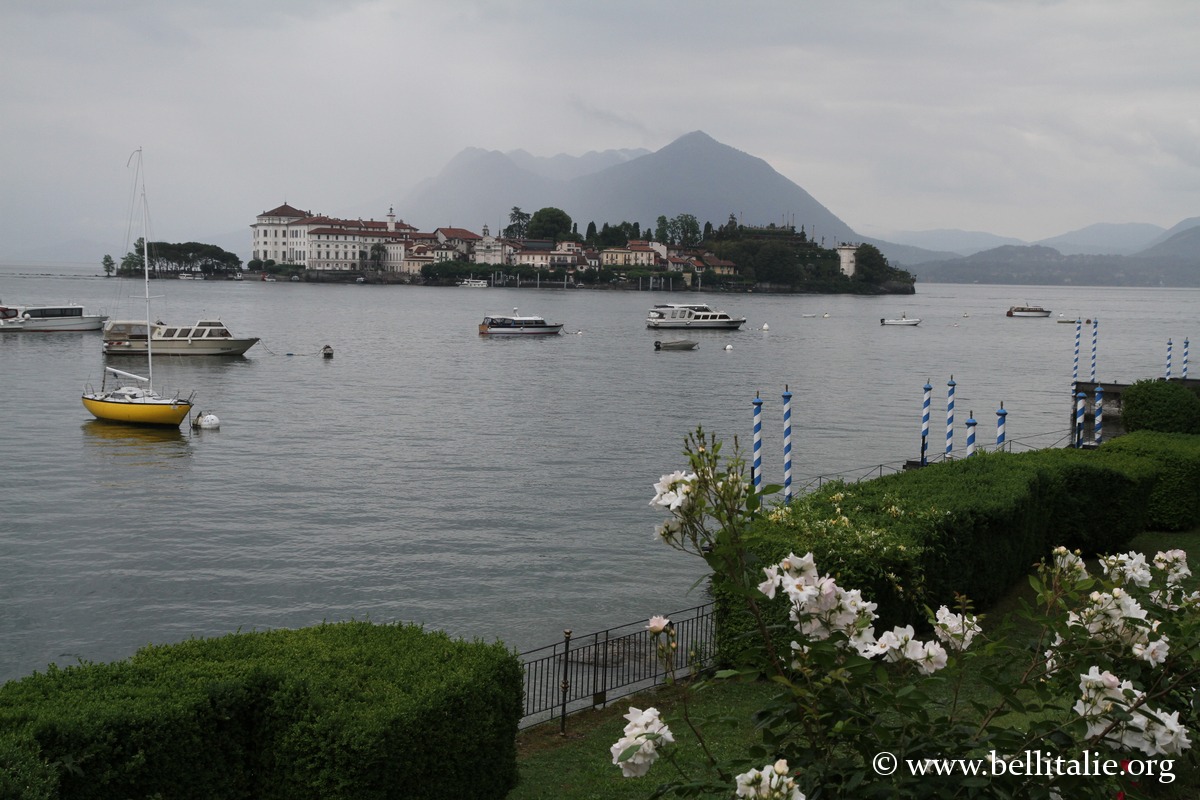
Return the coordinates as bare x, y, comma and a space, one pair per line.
1017, 117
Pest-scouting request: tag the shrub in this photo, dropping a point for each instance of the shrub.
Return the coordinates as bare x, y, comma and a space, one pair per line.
1161, 406
349, 710
1174, 497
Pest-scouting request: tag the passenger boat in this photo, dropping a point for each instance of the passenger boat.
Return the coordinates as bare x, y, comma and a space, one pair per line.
48, 319
473, 283
516, 325
208, 337
903, 320
1027, 311
691, 315
138, 404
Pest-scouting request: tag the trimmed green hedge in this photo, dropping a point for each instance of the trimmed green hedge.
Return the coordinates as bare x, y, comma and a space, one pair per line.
1160, 405
347, 710
1173, 503
975, 526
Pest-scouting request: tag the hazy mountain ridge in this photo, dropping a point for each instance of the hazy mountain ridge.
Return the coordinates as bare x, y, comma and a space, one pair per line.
565, 167
1175, 262
697, 175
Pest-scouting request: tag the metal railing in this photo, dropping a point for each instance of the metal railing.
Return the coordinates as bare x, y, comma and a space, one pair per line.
591, 670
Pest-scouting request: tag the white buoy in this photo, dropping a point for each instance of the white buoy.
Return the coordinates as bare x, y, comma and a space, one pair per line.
766, 327
207, 422
728, 347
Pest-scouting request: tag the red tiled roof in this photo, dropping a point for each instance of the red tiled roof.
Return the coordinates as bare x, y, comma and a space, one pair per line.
458, 233
285, 211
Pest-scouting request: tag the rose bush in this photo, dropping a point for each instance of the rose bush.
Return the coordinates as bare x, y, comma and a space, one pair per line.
1095, 664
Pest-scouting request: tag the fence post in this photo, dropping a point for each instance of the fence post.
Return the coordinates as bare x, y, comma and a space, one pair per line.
565, 686
600, 677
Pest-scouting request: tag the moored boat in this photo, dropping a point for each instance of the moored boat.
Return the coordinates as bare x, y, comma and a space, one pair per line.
903, 320
516, 325
473, 283
691, 315
49, 319
208, 337
678, 344
138, 404
1027, 311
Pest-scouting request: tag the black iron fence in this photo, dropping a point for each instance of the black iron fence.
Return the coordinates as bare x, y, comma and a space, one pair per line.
592, 670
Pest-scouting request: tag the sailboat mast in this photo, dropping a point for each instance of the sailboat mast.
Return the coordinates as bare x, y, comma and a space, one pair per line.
146, 280
140, 182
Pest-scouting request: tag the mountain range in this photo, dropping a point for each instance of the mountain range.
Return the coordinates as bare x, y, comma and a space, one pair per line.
697, 175
700, 176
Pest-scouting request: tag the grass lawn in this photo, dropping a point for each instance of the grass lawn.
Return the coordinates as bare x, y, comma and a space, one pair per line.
578, 766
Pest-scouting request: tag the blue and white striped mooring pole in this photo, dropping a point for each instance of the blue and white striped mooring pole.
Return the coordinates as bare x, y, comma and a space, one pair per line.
756, 470
1079, 401
1000, 415
1098, 416
1095, 336
1168, 359
970, 433
787, 445
1079, 328
950, 415
1185, 354
925, 423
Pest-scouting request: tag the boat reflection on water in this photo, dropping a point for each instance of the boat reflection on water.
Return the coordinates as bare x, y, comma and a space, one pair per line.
135, 440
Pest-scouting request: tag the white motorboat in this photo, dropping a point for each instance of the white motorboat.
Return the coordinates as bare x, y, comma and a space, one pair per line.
516, 325
48, 319
1027, 311
691, 315
208, 337
473, 283
903, 320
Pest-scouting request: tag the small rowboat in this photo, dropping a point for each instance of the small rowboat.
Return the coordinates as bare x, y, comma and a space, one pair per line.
678, 344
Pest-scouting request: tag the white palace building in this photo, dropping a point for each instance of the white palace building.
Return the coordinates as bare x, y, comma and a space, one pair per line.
287, 235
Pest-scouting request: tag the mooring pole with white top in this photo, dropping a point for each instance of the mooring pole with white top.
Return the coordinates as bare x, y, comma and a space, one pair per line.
950, 415
787, 445
756, 470
1095, 336
925, 423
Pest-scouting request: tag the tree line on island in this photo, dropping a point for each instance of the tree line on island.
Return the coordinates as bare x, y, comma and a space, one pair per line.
168, 258
771, 257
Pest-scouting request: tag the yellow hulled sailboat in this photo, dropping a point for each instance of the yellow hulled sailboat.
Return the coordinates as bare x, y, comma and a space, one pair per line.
138, 404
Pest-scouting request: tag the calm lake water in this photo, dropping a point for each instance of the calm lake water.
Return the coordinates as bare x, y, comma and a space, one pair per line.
495, 489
